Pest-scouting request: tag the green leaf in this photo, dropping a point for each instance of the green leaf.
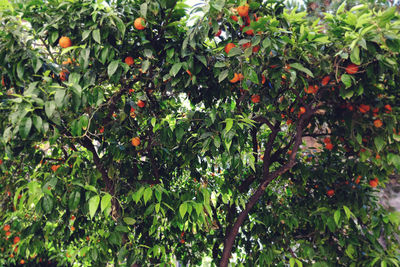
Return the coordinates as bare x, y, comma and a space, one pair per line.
138, 194
292, 262
183, 209
222, 76
235, 51
37, 122
217, 141
379, 143
59, 97
49, 108
143, 10
346, 79
355, 56
47, 203
129, 220
394, 159
341, 8
120, 25
147, 194
93, 205
347, 211
74, 199
175, 69
336, 216
112, 67
20, 70
145, 65
25, 127
202, 59
105, 202
254, 76
86, 34
229, 124
300, 67
96, 35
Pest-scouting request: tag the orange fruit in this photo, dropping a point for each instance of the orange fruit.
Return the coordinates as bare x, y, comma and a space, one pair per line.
352, 68
364, 108
135, 141
72, 228
63, 75
250, 32
54, 168
358, 179
289, 122
87, 238
378, 123
234, 18
228, 47
140, 104
330, 192
246, 45
302, 110
3, 83
388, 108
255, 98
64, 42
131, 91
129, 61
16, 239
182, 241
68, 61
72, 217
374, 182
188, 72
256, 49
263, 79
140, 24
6, 228
8, 233
312, 89
218, 33
12, 256
243, 11
329, 146
22, 262
325, 80
101, 129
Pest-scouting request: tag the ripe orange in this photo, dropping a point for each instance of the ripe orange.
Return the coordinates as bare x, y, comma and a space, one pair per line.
101, 129
3, 83
188, 72
329, 146
358, 179
182, 241
129, 61
302, 110
378, 123
72, 228
68, 61
72, 217
135, 141
243, 11
140, 104
12, 256
256, 49
352, 68
364, 108
22, 262
246, 45
6, 228
388, 108
325, 80
16, 239
131, 91
218, 33
330, 192
236, 77
228, 47
250, 32
263, 80
140, 24
87, 238
65, 42
63, 75
8, 233
289, 122
234, 18
312, 89
255, 98
327, 140
374, 182
54, 168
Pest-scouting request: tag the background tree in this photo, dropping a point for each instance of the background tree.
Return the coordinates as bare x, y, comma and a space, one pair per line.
130, 138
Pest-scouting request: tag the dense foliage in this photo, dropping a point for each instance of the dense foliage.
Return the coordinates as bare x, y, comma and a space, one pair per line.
255, 132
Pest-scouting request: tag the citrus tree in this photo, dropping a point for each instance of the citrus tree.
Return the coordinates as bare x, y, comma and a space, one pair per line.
129, 137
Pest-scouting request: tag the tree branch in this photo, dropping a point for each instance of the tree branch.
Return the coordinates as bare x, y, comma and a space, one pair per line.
267, 178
